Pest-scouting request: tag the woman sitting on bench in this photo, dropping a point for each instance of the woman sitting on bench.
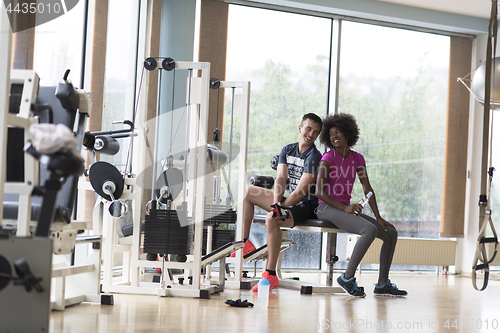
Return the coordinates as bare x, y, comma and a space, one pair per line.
337, 173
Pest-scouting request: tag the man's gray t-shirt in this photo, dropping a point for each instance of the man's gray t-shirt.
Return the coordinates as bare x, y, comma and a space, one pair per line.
297, 164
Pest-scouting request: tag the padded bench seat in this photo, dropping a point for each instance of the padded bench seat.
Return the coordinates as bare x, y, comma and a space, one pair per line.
11, 208
312, 224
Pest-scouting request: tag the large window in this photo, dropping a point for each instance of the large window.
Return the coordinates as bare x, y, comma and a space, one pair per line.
119, 83
59, 46
286, 58
394, 81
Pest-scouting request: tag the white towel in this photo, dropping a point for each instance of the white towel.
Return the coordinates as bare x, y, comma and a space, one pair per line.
50, 138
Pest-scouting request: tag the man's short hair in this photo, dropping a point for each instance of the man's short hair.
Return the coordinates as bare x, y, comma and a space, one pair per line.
314, 118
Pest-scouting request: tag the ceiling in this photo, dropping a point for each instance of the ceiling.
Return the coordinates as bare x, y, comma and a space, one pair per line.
477, 8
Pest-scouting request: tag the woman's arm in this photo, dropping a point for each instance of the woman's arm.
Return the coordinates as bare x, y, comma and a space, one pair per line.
321, 182
365, 182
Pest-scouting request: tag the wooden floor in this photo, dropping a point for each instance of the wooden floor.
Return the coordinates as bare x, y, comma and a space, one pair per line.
435, 304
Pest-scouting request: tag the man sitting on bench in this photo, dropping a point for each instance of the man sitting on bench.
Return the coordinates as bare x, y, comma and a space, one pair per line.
298, 162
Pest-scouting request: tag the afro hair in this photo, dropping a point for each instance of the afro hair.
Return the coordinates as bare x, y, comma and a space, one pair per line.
346, 123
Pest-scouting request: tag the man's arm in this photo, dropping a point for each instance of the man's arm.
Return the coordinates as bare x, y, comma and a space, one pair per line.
306, 181
280, 182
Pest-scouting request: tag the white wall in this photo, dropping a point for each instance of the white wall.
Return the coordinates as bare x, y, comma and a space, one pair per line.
387, 12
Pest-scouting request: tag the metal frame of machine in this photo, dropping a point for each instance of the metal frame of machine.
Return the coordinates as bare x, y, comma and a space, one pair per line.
133, 263
131, 282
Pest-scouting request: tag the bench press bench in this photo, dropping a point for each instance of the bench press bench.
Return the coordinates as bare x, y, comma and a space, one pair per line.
315, 225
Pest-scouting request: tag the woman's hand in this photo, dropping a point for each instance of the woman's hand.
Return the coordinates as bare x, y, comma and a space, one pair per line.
384, 223
355, 209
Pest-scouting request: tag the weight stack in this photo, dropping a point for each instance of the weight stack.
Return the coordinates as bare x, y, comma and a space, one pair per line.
163, 233
220, 237
215, 214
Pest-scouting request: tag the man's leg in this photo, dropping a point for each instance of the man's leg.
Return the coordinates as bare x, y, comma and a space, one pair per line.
256, 196
274, 238
273, 248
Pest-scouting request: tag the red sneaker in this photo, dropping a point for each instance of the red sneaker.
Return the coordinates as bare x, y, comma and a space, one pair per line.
273, 280
249, 247
158, 269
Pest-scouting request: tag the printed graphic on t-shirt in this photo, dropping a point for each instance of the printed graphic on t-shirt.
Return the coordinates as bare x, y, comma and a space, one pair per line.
295, 170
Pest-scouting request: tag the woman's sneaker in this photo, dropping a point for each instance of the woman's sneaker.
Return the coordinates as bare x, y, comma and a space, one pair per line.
389, 289
351, 286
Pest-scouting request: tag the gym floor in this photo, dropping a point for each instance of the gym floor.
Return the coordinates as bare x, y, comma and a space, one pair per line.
436, 303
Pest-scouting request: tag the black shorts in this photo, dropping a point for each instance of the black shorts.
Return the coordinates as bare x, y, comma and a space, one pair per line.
302, 211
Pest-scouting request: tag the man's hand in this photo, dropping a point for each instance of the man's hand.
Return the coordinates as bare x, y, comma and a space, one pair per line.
280, 212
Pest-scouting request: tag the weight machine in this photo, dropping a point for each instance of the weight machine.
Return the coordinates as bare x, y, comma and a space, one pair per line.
40, 189
179, 209
239, 109
37, 186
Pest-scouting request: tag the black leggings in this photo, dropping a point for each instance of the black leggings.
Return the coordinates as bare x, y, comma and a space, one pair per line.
368, 228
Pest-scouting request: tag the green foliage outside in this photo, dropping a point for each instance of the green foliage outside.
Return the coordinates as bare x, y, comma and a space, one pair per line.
276, 111
402, 123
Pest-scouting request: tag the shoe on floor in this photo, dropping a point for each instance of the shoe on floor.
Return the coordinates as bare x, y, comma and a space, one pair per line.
389, 289
249, 247
351, 286
273, 280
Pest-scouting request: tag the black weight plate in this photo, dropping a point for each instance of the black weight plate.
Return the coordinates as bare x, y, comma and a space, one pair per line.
173, 179
100, 172
275, 162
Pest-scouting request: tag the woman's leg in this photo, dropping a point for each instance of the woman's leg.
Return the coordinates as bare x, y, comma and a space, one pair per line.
390, 238
352, 224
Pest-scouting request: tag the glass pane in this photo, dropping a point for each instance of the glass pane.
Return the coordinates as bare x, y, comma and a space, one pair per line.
119, 84
286, 58
59, 46
395, 83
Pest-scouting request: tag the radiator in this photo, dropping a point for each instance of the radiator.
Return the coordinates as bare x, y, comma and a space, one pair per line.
412, 251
